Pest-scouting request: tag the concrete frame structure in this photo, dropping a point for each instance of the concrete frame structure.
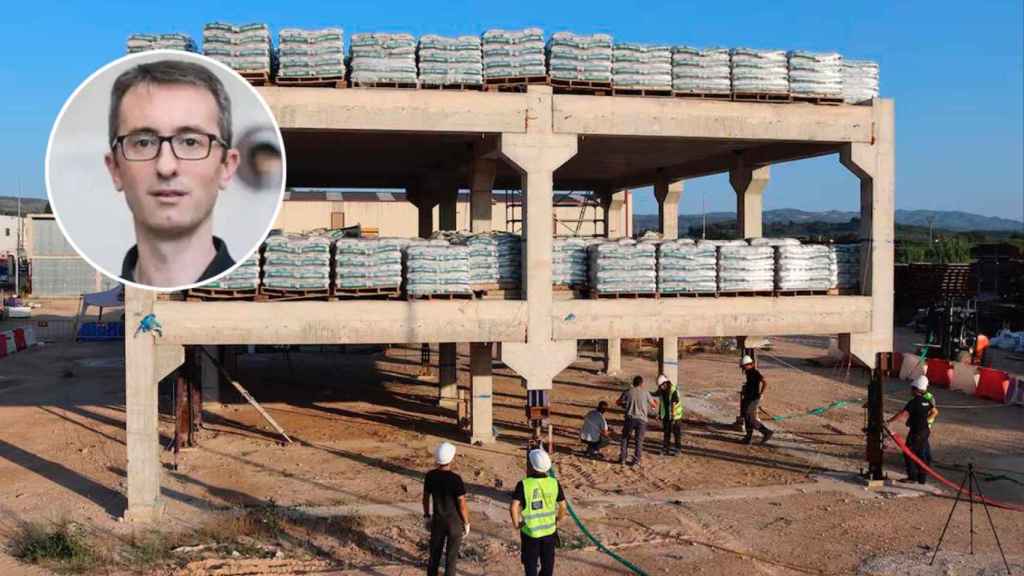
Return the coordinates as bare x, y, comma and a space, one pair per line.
538, 142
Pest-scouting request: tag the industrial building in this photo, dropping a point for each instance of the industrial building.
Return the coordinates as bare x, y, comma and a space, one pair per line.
55, 269
431, 144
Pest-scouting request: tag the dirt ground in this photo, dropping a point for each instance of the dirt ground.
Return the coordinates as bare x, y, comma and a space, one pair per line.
344, 497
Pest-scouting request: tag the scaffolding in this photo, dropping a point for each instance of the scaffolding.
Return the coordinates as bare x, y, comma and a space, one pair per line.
588, 205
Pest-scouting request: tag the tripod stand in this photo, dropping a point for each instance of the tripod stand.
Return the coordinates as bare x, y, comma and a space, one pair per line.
971, 481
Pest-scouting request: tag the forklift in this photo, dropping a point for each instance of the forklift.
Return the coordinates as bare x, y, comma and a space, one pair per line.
951, 327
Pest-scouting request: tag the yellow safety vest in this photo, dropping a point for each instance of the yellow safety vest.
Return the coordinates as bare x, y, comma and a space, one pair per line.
677, 410
540, 506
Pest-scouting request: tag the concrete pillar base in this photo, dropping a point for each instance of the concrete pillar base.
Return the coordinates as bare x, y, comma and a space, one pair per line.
448, 387
138, 514
668, 358
613, 356
482, 403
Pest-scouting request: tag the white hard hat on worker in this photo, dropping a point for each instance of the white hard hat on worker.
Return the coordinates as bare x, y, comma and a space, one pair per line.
746, 360
444, 454
539, 460
662, 379
920, 383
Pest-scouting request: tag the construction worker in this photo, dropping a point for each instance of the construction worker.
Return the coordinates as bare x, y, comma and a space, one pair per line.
638, 404
750, 397
538, 505
670, 411
594, 431
449, 523
917, 412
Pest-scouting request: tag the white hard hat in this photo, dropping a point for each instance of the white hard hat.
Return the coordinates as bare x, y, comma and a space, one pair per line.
920, 383
662, 379
746, 360
539, 460
445, 453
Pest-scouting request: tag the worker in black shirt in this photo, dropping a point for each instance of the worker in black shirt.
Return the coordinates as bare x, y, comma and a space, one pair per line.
750, 397
917, 413
450, 521
538, 505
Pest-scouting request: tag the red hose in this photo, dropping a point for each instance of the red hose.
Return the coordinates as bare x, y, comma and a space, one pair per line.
955, 487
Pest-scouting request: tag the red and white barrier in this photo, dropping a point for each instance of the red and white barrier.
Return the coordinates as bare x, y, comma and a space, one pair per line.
977, 381
16, 340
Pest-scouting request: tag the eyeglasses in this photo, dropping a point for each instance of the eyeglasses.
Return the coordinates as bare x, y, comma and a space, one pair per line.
142, 146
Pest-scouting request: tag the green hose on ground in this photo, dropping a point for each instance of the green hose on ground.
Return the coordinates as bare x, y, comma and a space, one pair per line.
819, 410
579, 523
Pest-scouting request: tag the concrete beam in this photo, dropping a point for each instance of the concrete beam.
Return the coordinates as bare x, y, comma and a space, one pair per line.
168, 357
142, 431
680, 118
397, 110
351, 322
749, 183
482, 383
693, 317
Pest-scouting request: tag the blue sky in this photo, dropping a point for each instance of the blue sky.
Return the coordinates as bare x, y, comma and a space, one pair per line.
955, 70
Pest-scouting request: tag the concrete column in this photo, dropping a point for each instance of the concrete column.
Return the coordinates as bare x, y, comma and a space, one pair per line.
537, 153
447, 214
209, 376
448, 375
424, 203
749, 182
874, 164
482, 408
668, 195
668, 358
143, 435
612, 203
480, 194
613, 356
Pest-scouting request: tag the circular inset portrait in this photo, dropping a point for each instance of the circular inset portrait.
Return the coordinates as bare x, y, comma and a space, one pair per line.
165, 169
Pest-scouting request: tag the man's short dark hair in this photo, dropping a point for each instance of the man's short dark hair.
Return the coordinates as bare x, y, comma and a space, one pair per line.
163, 72
637, 381
602, 406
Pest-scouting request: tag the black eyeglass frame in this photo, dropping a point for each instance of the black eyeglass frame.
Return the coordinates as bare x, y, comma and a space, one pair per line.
214, 139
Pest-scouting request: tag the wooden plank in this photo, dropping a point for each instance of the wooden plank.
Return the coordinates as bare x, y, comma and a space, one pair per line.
313, 81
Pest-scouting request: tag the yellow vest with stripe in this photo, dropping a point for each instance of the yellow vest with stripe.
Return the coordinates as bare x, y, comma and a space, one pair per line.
539, 509
677, 410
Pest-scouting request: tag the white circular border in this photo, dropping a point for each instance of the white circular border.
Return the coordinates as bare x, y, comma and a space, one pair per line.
173, 55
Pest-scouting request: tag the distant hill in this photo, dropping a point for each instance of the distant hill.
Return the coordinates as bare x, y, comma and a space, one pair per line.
943, 220
9, 205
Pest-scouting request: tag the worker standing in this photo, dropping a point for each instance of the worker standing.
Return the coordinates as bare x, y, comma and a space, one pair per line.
638, 404
449, 523
670, 411
917, 412
750, 398
537, 507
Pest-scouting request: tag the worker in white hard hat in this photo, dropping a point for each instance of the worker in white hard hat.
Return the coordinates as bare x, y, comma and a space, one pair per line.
670, 412
449, 523
538, 505
750, 398
917, 412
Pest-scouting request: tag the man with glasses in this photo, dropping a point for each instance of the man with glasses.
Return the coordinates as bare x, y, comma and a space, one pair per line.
171, 155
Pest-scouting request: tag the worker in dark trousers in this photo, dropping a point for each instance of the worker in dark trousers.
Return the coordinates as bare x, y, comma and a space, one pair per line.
449, 523
750, 398
670, 411
917, 412
537, 507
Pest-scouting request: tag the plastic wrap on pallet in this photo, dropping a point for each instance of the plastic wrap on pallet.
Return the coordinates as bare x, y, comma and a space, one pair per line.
803, 267
245, 48
580, 57
623, 266
685, 267
569, 262
759, 71
361, 263
701, 70
297, 262
744, 268
436, 267
845, 263
170, 41
642, 66
494, 257
860, 81
815, 73
383, 58
311, 53
513, 53
447, 60
774, 242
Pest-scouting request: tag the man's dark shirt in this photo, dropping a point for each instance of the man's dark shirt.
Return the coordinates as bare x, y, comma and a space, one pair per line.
221, 261
752, 387
445, 487
917, 415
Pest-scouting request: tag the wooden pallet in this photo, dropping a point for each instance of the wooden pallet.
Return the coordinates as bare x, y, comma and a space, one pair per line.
843, 292
400, 85
204, 294
585, 87
640, 92
461, 296
282, 294
687, 295
622, 295
751, 293
499, 294
366, 293
761, 97
256, 78
454, 87
513, 83
314, 82
702, 95
825, 100
801, 293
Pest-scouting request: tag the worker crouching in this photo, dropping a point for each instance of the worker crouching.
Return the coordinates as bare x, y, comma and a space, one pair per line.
537, 507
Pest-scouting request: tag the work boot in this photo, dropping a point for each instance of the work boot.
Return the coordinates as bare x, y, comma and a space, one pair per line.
747, 439
767, 436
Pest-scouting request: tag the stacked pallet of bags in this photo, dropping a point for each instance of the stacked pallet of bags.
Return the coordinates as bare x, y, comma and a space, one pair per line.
759, 71
383, 58
686, 267
446, 60
297, 262
815, 74
701, 70
641, 66
365, 263
623, 266
860, 81
244, 48
311, 53
845, 260
436, 267
577, 57
569, 262
807, 267
744, 268
514, 53
495, 258
173, 41
245, 277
